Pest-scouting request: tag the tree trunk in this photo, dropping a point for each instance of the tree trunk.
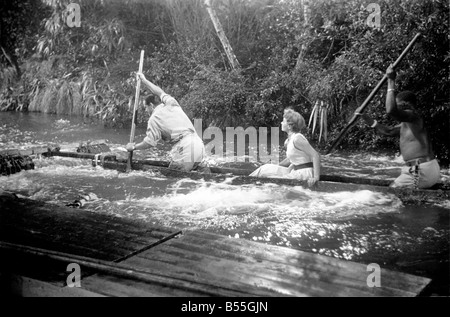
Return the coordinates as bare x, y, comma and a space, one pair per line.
306, 17
223, 39
12, 60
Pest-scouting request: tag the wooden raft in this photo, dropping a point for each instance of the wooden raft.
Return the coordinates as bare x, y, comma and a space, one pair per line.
194, 263
239, 176
236, 267
72, 231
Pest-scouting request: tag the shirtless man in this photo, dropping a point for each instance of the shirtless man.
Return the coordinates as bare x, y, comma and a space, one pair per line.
421, 169
170, 123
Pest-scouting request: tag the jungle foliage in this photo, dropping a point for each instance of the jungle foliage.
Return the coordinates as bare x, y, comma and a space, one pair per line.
292, 53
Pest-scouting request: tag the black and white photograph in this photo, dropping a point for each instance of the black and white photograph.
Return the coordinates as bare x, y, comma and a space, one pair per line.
224, 156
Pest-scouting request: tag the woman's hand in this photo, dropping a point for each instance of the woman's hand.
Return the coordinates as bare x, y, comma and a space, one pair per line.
312, 181
290, 168
131, 147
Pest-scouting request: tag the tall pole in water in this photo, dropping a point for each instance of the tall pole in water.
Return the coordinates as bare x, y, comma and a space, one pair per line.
136, 102
361, 108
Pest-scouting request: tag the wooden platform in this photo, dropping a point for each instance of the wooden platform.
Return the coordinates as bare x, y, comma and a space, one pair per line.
120, 257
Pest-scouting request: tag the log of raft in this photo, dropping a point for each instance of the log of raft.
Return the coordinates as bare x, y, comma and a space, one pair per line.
328, 183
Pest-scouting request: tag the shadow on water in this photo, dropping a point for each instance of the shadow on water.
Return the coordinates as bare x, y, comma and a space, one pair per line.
361, 226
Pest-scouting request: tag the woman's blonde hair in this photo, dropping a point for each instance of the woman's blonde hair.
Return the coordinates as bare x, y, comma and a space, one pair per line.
294, 119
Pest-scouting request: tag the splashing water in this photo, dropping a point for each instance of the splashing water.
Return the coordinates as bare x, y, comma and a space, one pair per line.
362, 225
288, 216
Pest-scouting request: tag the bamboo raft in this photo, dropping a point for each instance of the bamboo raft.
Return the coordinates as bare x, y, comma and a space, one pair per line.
122, 257
235, 176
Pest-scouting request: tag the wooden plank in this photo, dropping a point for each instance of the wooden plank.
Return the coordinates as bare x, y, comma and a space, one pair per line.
17, 285
71, 229
355, 180
196, 264
266, 257
55, 243
257, 269
113, 286
147, 276
89, 156
285, 256
75, 231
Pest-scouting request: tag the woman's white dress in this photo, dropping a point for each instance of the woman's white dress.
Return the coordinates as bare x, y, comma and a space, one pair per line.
296, 157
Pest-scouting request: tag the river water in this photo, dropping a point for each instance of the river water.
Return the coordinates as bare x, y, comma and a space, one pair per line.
361, 226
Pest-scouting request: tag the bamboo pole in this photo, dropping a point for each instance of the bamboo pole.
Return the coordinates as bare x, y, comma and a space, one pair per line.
136, 102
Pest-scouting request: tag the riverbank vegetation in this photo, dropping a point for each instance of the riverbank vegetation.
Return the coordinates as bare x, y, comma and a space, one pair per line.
289, 53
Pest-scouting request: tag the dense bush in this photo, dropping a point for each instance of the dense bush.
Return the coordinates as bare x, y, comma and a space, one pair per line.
290, 54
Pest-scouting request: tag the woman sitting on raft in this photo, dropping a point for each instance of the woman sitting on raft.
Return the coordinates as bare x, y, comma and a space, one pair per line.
302, 162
